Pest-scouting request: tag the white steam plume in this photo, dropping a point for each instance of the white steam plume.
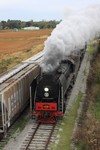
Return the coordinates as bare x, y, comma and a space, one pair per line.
71, 34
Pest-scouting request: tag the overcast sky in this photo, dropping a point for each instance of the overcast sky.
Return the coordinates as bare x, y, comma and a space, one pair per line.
40, 9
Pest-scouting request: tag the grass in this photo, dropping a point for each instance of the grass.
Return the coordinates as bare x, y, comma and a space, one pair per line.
96, 104
19, 126
97, 74
95, 80
96, 88
20, 46
90, 48
66, 128
12, 60
5, 63
9, 62
97, 110
91, 123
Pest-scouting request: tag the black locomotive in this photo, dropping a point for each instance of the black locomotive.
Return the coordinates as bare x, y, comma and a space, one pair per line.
49, 90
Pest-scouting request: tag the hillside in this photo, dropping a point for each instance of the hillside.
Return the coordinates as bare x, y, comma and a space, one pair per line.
88, 132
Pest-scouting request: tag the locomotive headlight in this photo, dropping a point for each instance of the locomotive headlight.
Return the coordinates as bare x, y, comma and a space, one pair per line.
46, 94
46, 89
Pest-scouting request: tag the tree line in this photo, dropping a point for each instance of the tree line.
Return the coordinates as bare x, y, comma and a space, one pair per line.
11, 24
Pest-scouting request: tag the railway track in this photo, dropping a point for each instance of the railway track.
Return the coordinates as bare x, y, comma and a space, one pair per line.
39, 137
14, 128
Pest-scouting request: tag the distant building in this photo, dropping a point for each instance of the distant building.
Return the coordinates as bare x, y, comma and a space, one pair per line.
31, 28
15, 29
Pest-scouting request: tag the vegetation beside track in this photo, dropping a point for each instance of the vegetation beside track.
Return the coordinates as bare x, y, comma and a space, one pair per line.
67, 125
16, 128
88, 134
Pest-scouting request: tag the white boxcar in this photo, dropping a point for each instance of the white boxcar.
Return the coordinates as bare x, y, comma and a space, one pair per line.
15, 96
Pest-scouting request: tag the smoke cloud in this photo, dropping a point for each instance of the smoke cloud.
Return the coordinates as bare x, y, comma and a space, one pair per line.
71, 34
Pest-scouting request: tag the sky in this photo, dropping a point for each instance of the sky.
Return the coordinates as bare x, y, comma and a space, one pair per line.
37, 10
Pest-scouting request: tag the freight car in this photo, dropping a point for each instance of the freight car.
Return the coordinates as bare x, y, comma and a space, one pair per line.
48, 91
14, 90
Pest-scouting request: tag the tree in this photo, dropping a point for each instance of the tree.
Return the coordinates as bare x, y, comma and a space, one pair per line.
3, 23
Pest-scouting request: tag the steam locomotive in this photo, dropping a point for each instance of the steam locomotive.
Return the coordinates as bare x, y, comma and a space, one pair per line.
48, 91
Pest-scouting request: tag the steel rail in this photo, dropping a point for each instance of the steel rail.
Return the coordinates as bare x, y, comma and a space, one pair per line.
49, 138
32, 136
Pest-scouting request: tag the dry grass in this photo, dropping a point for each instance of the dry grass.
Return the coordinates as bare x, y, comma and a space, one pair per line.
18, 46
90, 131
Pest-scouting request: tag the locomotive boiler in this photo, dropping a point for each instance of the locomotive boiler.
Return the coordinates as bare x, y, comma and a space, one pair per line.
48, 91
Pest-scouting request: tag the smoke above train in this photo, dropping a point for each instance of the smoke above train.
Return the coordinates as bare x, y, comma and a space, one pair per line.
71, 34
